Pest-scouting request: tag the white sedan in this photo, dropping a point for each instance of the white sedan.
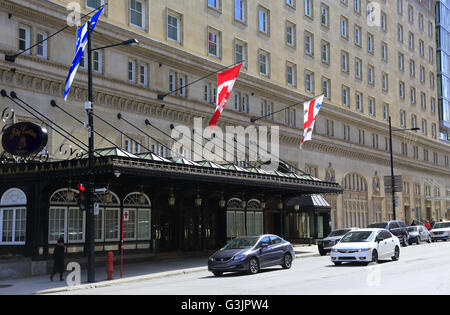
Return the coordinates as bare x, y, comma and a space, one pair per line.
366, 245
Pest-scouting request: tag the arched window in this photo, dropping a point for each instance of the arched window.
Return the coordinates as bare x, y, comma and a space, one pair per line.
13, 217
235, 218
138, 207
255, 224
355, 208
68, 221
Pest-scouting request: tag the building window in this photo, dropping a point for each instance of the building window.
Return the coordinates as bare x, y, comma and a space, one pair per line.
400, 33
344, 27
325, 52
174, 27
240, 53
358, 71
324, 15
384, 52
132, 71
401, 62
371, 105
402, 118
263, 20
309, 81
214, 4
344, 62
309, 44
401, 89
371, 75
359, 101
370, 43
94, 4
240, 10
214, 40
290, 34
385, 111
98, 61
413, 96
357, 35
326, 87
411, 41
24, 38
13, 217
291, 74
137, 13
143, 74
385, 81
264, 63
345, 96
309, 8
41, 50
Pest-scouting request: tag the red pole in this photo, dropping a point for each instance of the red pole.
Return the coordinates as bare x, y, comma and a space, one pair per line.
121, 250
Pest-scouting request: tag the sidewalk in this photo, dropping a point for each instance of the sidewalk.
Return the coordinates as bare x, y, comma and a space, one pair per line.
131, 273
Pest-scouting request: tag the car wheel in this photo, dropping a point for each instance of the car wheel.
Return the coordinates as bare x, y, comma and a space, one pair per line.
322, 252
287, 261
374, 257
396, 254
253, 266
217, 273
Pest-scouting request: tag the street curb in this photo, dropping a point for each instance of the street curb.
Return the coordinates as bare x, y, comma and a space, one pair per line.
158, 275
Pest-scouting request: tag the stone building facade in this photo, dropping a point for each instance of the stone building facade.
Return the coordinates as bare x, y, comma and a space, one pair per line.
292, 50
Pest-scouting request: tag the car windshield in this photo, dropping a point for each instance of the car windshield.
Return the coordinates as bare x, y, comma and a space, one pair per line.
242, 243
338, 233
378, 225
355, 237
441, 225
412, 228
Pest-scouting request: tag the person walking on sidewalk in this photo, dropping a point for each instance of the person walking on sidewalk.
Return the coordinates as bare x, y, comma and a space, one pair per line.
58, 260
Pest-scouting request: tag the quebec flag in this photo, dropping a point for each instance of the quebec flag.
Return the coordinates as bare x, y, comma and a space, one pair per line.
82, 39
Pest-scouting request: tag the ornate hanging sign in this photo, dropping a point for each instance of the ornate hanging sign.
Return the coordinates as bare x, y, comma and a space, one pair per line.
24, 139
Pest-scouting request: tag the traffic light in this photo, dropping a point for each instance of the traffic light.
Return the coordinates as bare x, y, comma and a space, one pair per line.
82, 202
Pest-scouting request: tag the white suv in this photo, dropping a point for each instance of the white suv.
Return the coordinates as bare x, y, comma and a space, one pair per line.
440, 231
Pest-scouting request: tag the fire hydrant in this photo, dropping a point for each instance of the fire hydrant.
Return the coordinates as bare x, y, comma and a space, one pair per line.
110, 265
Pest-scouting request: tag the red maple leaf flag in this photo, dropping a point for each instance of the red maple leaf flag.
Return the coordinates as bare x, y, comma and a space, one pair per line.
225, 83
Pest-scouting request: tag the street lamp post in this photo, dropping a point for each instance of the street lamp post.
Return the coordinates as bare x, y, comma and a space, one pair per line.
90, 224
392, 163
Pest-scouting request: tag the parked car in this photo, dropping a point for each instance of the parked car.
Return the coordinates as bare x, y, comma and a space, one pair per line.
396, 227
251, 253
440, 231
417, 234
366, 246
332, 239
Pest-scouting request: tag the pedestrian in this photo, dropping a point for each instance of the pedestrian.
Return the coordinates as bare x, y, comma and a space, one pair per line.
413, 223
427, 225
58, 260
432, 223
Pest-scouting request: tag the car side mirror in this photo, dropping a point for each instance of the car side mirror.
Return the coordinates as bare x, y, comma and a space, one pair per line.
378, 239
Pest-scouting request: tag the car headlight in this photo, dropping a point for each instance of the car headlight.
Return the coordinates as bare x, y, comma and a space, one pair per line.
363, 250
239, 257
334, 250
211, 258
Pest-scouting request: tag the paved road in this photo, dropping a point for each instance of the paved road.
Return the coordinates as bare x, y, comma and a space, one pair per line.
421, 269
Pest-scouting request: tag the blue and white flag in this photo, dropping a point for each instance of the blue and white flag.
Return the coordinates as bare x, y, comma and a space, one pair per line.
82, 39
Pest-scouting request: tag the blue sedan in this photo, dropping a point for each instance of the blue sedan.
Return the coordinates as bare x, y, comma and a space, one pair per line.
251, 253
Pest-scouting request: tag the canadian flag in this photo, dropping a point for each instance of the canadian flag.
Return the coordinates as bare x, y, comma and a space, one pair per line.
312, 109
225, 83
